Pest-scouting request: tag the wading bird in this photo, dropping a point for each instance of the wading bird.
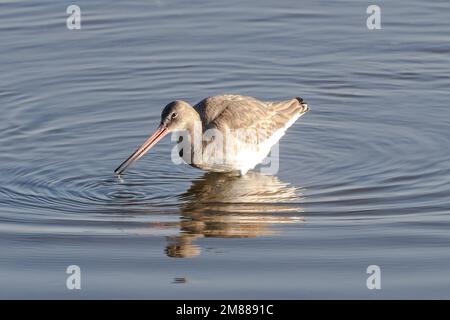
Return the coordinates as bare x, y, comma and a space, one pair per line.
224, 133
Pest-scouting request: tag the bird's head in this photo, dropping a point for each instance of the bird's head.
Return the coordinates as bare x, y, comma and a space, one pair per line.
176, 116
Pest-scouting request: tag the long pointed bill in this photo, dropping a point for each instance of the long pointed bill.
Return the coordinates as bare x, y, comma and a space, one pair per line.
148, 144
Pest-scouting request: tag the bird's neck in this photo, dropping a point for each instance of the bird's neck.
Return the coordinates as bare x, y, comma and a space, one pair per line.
194, 126
195, 130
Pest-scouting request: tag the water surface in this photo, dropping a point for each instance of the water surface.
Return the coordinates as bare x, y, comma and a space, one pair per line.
363, 177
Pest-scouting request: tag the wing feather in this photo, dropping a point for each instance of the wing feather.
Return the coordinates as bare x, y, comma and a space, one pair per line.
261, 118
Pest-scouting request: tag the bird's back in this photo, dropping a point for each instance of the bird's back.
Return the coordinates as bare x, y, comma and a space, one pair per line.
242, 112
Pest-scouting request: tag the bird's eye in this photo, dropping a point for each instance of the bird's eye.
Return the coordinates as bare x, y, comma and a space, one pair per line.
174, 115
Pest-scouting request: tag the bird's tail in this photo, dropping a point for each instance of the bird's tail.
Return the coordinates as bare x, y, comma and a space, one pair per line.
289, 108
303, 105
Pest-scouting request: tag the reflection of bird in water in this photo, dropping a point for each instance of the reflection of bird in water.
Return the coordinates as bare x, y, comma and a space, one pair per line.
229, 206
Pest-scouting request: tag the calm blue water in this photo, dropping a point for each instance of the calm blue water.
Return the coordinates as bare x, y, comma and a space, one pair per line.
363, 178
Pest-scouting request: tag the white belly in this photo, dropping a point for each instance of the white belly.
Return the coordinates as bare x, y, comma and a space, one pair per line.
243, 160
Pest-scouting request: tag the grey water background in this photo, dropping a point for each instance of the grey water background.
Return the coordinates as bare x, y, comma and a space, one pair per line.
363, 177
